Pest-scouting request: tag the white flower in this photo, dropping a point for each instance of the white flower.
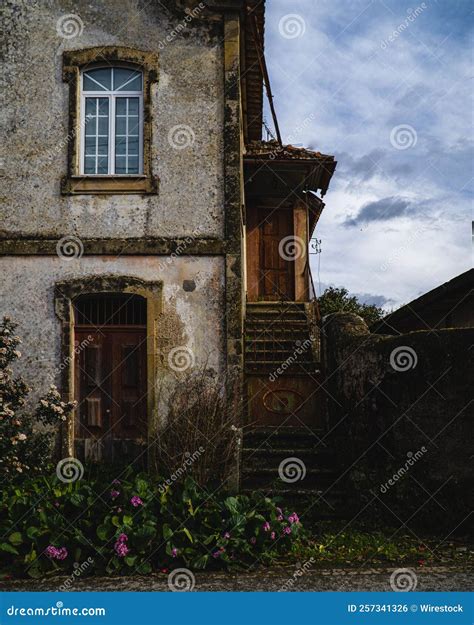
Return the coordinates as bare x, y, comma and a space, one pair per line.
22, 437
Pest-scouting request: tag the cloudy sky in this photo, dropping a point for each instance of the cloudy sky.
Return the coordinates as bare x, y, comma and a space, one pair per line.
386, 87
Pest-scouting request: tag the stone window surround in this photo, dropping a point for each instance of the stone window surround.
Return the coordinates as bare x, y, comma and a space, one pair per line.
64, 294
75, 61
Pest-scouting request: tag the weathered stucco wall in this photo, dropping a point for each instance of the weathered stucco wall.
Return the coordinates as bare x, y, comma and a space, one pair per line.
400, 415
189, 92
191, 314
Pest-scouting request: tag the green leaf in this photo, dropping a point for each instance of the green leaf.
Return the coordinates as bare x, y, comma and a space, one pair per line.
16, 538
77, 499
143, 568
188, 534
209, 539
127, 520
201, 562
30, 557
32, 532
167, 531
116, 521
8, 548
130, 560
102, 532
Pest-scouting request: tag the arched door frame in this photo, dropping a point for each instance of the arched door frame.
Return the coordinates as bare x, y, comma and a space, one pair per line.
64, 294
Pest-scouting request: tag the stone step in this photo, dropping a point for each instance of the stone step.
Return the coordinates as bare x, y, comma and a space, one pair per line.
282, 437
259, 322
256, 457
310, 505
314, 479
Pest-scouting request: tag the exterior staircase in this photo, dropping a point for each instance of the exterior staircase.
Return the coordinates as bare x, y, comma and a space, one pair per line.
294, 464
290, 458
280, 334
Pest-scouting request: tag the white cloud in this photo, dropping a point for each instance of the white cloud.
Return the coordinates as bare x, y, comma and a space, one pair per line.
354, 92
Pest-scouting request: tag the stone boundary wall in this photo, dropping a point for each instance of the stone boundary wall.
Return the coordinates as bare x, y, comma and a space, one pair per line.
400, 420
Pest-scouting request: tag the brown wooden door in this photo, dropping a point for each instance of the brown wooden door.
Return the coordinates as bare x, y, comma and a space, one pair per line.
111, 418
277, 280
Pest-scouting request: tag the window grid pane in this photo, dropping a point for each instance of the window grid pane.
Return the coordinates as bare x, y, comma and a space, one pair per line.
127, 123
96, 147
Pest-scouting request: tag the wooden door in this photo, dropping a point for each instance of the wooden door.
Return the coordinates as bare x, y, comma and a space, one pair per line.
276, 256
111, 389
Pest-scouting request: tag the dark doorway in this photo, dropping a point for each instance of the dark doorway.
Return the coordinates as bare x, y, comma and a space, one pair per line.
111, 377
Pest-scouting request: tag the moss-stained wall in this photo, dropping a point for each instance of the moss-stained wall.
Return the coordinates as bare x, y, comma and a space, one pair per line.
189, 92
190, 312
400, 413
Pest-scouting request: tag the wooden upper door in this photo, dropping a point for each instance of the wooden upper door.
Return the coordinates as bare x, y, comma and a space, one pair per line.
277, 279
110, 379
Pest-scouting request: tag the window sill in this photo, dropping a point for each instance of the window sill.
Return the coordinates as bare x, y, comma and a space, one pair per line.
109, 185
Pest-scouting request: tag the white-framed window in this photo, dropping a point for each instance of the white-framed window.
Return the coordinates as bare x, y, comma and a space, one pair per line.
111, 121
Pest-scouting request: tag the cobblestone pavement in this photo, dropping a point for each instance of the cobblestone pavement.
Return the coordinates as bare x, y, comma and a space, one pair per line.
441, 578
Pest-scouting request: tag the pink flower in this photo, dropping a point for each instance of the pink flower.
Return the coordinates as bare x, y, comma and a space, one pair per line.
114, 494
273, 535
116, 482
253, 540
227, 535
280, 517
216, 554
174, 552
294, 518
266, 526
287, 530
120, 547
56, 554
279, 510
136, 501
62, 553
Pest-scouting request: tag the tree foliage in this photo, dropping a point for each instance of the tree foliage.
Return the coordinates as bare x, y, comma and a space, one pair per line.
338, 300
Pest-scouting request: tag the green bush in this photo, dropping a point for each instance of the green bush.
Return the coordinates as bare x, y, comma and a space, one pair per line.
135, 526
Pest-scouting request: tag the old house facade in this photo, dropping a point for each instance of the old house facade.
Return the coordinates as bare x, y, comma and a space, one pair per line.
146, 227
